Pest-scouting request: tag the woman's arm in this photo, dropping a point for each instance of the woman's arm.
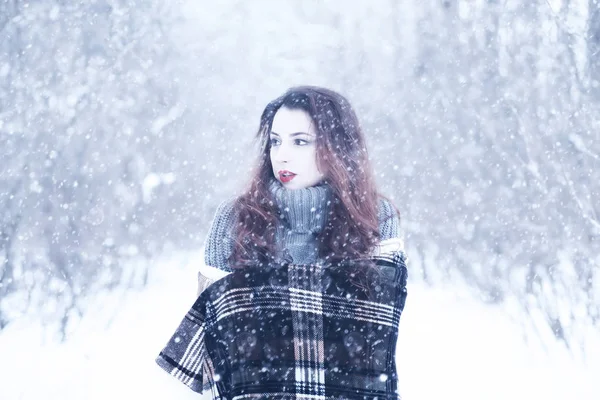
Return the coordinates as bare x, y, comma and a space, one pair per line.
389, 220
219, 242
391, 241
218, 246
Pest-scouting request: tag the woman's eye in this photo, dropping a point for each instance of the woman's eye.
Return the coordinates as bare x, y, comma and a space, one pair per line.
301, 142
273, 141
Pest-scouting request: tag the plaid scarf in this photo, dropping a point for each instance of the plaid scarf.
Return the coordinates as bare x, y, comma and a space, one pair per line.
291, 331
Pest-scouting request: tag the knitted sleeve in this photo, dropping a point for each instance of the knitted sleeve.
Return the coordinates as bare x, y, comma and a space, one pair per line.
219, 242
389, 221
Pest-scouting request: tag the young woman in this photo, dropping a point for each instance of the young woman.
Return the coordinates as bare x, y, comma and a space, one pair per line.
312, 197
309, 269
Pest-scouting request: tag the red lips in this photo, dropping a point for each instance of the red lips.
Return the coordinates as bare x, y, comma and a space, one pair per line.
286, 176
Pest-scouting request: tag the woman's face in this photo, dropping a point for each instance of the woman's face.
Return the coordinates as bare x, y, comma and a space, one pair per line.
293, 149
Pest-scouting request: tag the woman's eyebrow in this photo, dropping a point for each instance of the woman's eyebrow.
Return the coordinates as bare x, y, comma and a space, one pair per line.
294, 134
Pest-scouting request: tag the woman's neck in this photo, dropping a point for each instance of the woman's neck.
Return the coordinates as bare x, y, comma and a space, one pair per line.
302, 210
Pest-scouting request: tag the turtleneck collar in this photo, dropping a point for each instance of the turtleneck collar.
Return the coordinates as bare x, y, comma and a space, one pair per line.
302, 210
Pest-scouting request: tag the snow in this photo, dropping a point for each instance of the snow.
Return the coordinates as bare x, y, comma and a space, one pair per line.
450, 346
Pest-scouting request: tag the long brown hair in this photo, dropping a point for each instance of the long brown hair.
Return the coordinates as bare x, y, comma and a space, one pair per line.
352, 228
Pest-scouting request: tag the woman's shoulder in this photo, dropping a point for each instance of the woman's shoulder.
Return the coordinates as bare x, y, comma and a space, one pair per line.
391, 243
389, 219
387, 210
225, 210
219, 242
386, 207
227, 205
224, 218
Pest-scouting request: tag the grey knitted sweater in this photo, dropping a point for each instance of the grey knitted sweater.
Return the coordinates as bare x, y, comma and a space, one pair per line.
302, 216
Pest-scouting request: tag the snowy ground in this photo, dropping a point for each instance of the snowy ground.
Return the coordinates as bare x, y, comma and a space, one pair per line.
451, 347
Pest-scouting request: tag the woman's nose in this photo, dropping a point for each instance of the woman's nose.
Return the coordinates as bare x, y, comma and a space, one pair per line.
283, 154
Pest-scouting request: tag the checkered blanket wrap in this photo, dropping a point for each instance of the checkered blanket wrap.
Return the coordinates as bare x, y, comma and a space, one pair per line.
293, 332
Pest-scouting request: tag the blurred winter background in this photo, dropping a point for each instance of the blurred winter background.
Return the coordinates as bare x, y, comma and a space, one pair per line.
123, 123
